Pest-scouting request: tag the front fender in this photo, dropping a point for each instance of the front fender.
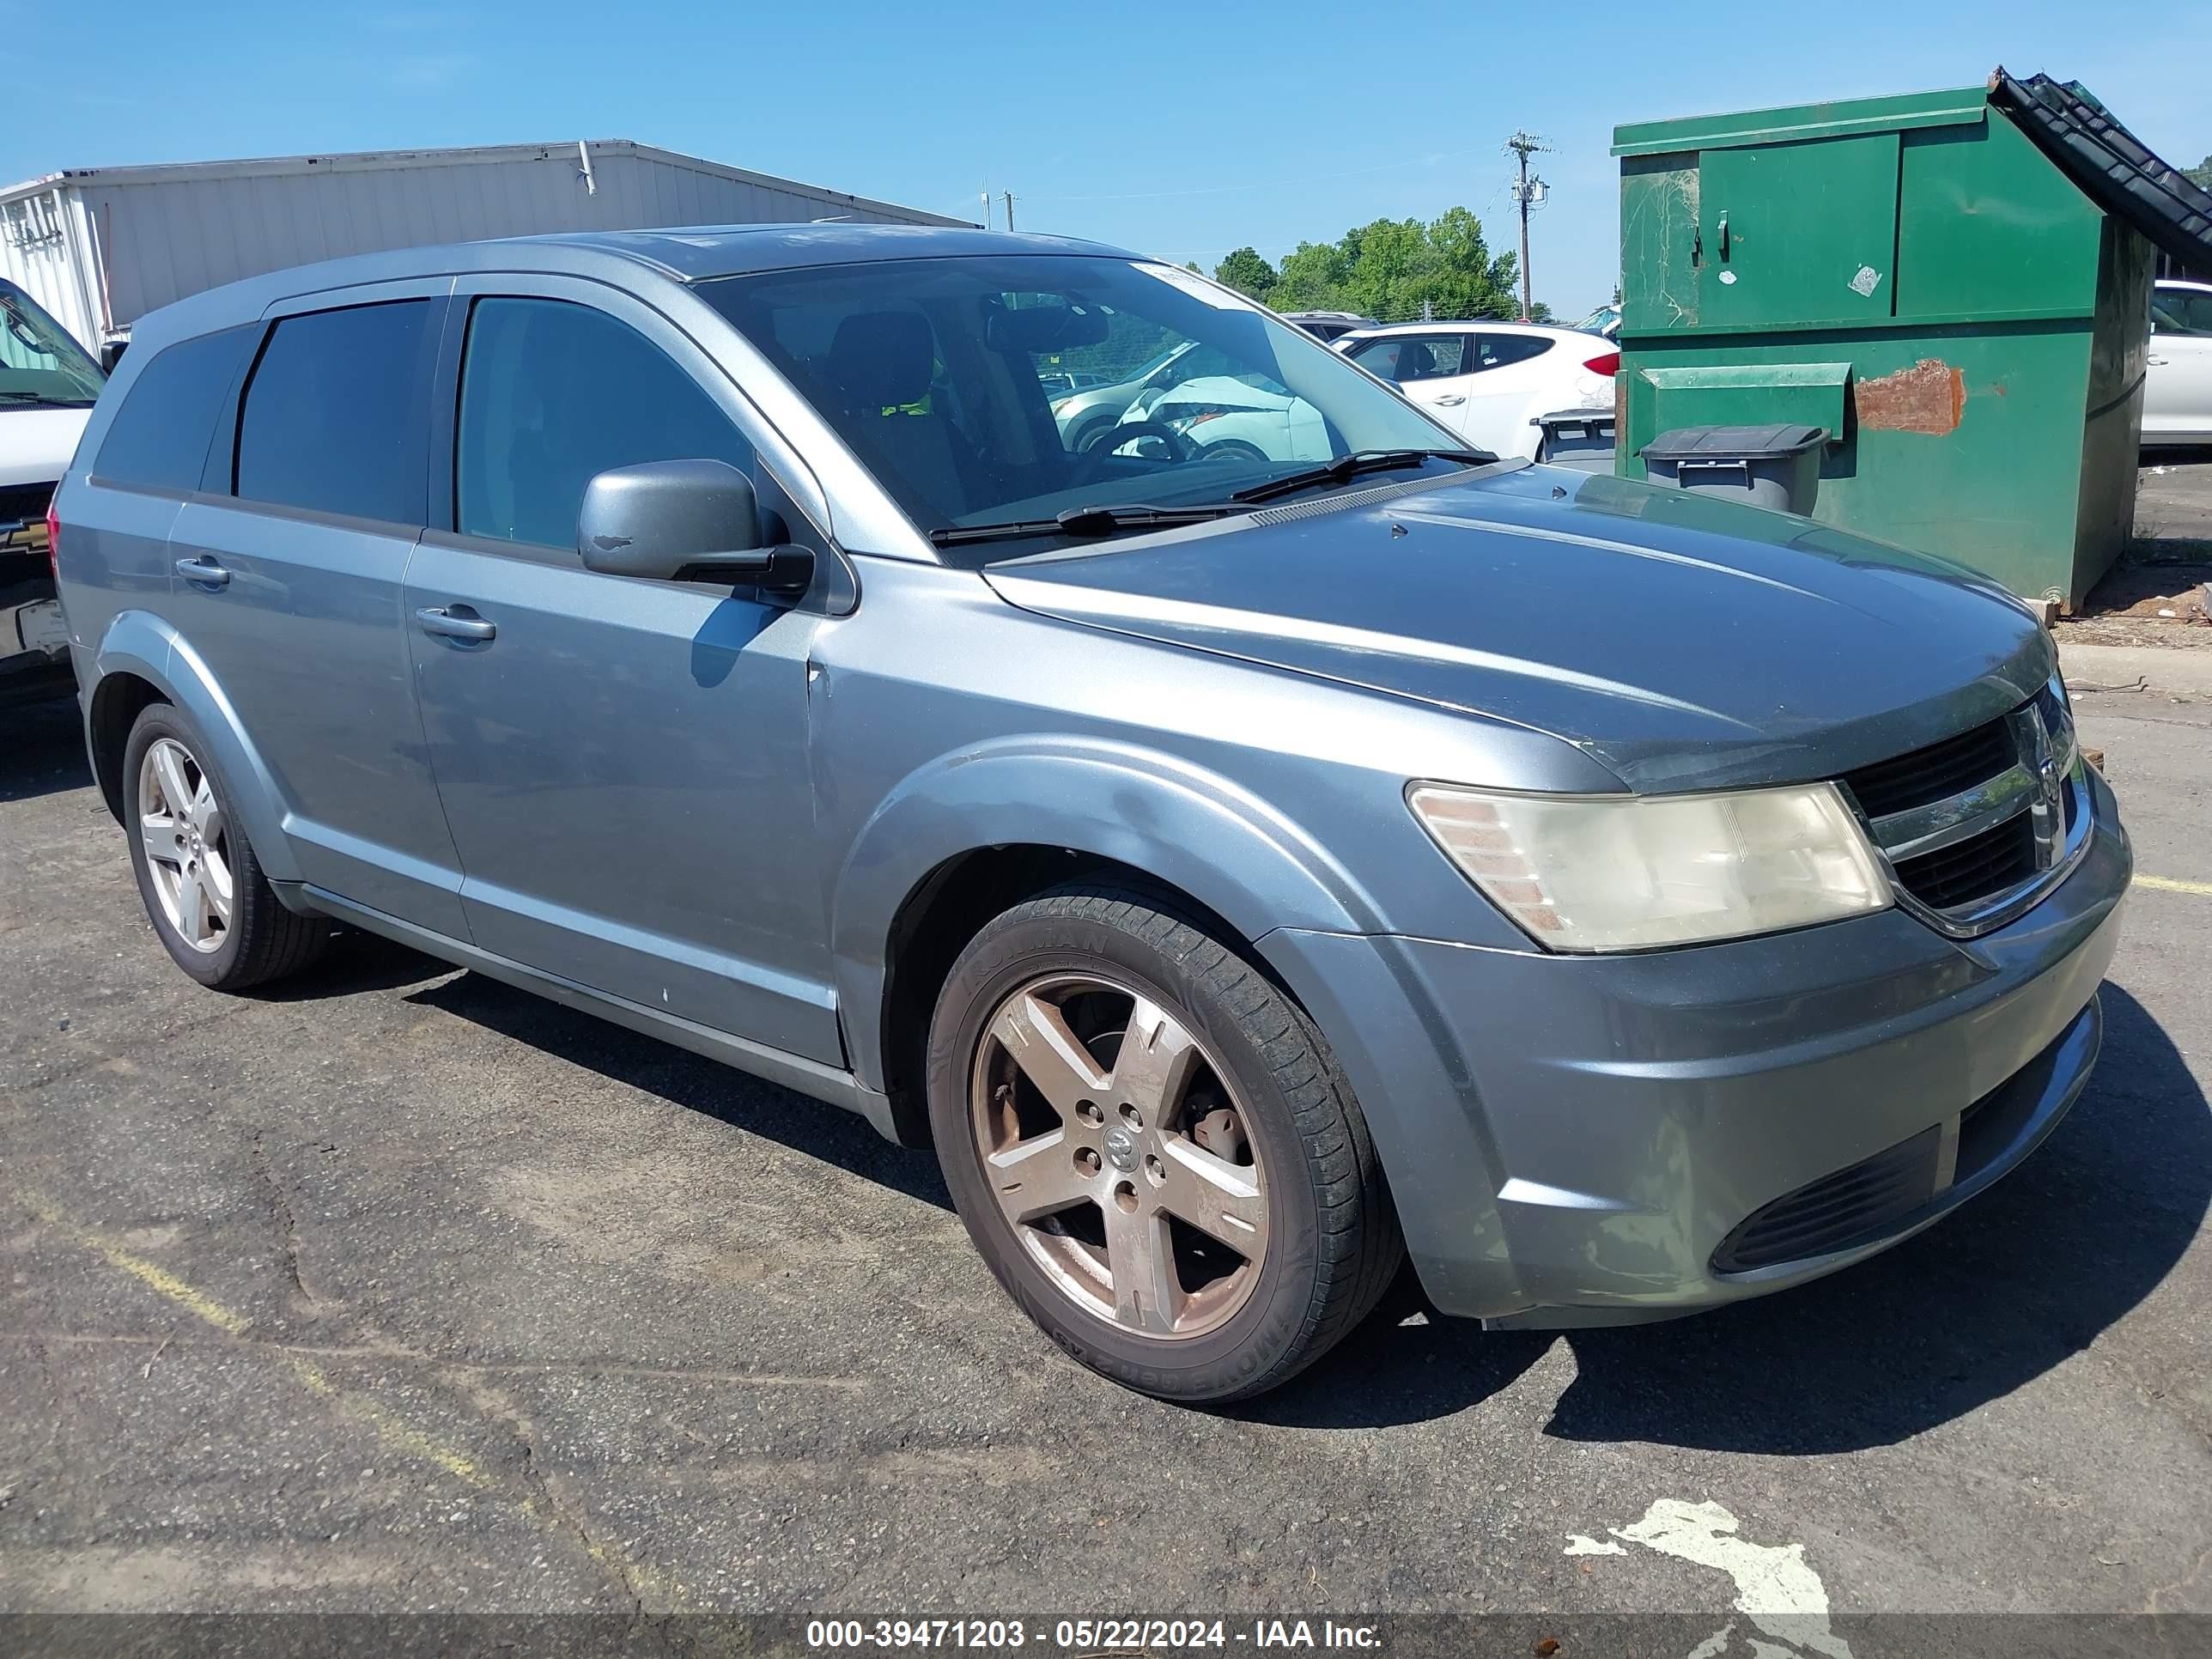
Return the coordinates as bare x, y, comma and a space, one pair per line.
1226, 847
140, 643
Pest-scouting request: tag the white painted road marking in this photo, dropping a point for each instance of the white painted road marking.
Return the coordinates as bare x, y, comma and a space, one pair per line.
1577, 1544
1785, 1597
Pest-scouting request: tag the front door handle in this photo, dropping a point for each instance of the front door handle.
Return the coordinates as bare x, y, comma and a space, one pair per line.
2155, 363
454, 622
204, 571
1449, 400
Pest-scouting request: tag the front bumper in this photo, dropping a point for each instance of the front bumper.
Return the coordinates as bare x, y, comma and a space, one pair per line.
1573, 1140
34, 660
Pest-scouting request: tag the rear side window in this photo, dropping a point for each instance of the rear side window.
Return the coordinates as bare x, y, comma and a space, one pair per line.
1499, 350
553, 393
336, 416
159, 438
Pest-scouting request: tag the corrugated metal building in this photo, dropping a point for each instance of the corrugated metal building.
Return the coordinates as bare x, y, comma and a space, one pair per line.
101, 246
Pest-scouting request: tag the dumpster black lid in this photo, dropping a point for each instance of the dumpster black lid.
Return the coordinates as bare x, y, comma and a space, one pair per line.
1733, 443
2109, 164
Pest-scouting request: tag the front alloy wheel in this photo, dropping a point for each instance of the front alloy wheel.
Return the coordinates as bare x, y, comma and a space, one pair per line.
1119, 1156
1152, 1147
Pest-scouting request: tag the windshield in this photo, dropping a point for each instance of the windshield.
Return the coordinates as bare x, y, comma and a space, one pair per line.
949, 379
38, 361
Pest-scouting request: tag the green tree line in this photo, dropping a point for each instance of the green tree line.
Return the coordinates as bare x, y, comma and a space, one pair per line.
1388, 270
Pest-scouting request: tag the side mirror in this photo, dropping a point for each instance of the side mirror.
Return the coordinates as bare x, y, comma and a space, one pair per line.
683, 521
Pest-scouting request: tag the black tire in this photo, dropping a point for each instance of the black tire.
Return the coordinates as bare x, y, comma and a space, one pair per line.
1232, 449
264, 941
1333, 1244
1087, 436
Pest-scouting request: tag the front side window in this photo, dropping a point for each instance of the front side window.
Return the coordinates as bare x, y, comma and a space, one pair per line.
336, 414
949, 380
159, 438
553, 393
2180, 311
40, 363
1408, 357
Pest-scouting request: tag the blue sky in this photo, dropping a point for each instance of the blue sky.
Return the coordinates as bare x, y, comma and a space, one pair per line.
1181, 130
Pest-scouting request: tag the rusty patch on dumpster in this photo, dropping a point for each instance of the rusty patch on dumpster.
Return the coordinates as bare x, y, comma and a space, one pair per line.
1929, 397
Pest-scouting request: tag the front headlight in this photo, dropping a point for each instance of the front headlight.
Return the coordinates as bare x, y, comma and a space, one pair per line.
1631, 872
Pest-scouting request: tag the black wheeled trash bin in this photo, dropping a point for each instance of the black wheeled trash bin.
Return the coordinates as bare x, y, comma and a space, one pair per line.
1776, 466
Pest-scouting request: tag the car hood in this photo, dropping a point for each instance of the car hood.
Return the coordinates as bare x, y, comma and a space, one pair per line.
1224, 389
1684, 643
36, 444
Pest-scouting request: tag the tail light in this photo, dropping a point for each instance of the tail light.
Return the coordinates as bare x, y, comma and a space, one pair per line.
1606, 363
53, 541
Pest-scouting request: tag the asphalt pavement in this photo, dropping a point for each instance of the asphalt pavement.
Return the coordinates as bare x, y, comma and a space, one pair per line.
400, 1290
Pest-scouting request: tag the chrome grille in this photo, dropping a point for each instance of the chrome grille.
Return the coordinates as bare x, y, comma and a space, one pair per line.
23, 529
1976, 828
20, 502
1931, 774
1974, 868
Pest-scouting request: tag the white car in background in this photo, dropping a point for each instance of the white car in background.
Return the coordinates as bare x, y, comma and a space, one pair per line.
1491, 382
2178, 374
48, 383
1224, 416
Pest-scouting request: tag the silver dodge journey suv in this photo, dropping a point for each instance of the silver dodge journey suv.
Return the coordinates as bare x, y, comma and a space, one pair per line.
1255, 848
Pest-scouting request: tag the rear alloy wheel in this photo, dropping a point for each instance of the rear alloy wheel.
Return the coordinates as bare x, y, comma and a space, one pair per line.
187, 845
216, 913
1152, 1147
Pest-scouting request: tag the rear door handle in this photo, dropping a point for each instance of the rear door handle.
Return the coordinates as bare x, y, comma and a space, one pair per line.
1449, 400
454, 622
2155, 363
205, 571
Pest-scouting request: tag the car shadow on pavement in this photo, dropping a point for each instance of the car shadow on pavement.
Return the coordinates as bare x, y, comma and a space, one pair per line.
691, 1081
1985, 1301
44, 754
355, 962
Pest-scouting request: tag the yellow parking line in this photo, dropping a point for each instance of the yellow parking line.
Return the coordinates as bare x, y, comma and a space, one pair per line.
401, 1436
2168, 884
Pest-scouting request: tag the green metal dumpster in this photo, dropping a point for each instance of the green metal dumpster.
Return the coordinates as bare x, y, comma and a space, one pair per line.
1954, 285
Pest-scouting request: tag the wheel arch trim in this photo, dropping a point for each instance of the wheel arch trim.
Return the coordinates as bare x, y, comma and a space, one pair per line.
139, 643
1190, 828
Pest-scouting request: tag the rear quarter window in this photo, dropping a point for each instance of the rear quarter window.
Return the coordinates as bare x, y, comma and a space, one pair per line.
336, 416
159, 438
1499, 350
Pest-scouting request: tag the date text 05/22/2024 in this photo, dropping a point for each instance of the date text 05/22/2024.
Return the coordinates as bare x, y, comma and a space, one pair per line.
1078, 1637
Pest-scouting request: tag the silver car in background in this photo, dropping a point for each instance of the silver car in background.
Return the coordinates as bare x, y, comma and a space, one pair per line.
1228, 861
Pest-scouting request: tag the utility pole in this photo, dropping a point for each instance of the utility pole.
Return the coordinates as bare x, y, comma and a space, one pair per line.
1528, 193
1009, 209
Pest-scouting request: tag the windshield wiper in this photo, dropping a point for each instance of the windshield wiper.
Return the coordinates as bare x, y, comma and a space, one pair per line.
1345, 467
14, 396
1084, 521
